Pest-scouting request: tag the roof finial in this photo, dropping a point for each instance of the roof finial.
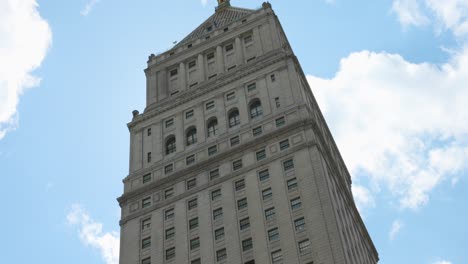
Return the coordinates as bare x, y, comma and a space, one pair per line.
222, 4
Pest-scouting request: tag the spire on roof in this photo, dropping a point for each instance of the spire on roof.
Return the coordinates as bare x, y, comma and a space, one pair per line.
223, 4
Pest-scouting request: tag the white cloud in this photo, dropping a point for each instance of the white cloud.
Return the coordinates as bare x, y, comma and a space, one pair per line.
409, 12
204, 2
89, 7
443, 262
91, 234
404, 124
24, 40
395, 229
363, 197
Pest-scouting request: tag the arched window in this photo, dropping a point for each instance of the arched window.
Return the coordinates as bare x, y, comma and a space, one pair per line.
212, 127
234, 119
256, 109
191, 136
170, 145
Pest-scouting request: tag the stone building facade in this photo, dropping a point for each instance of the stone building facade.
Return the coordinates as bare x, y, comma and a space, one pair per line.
232, 161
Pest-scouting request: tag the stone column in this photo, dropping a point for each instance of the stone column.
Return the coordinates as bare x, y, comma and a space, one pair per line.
258, 42
162, 84
182, 77
239, 52
201, 68
220, 59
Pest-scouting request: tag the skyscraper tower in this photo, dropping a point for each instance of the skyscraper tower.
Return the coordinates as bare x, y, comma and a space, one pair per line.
232, 161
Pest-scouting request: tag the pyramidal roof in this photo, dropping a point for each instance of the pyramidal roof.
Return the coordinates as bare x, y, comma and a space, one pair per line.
222, 17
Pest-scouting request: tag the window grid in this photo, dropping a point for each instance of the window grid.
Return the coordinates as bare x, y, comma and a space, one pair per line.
280, 122
146, 178
276, 257
257, 131
190, 160
214, 174
170, 253
244, 223
247, 244
221, 255
242, 203
304, 245
146, 243
193, 223
146, 202
170, 233
273, 234
217, 213
168, 169
168, 193
267, 194
210, 105
169, 214
192, 183
236, 165
263, 175
212, 150
288, 165
284, 144
296, 203
260, 155
192, 204
235, 141
292, 184
219, 233
215, 194
194, 243
146, 224
240, 184
270, 213
299, 224
170, 122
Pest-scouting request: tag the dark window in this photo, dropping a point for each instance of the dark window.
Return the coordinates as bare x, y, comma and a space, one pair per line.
146, 178
170, 233
280, 122
250, 262
146, 243
194, 243
174, 72
247, 244
276, 257
244, 223
189, 114
299, 224
148, 131
190, 160
215, 194
193, 84
273, 234
234, 141
196, 261
214, 174
212, 150
273, 78
248, 39
256, 109
170, 145
288, 165
292, 184
192, 183
270, 213
148, 157
146, 224
221, 254
146, 261
277, 102
217, 213
191, 136
263, 175
168, 169
230, 96
240, 184
267, 194
242, 203
229, 47
209, 28
251, 87
170, 253
219, 233
284, 144
234, 119
169, 214
225, 29
210, 105
192, 204
257, 131
189, 45
192, 64
260, 155
296, 203
174, 93
210, 56
232, 67
146, 202
236, 165
168, 193
304, 245
212, 127
169, 122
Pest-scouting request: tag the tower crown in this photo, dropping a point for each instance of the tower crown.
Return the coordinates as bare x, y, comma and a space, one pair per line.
222, 4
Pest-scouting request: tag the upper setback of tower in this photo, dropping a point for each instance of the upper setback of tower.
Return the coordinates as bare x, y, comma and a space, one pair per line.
233, 45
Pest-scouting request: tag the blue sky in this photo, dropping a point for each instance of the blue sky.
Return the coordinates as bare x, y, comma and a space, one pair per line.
389, 75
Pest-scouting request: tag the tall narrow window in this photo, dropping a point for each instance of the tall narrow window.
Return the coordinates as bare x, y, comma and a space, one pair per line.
170, 253
146, 243
247, 244
234, 119
170, 145
191, 136
256, 109
212, 127
148, 157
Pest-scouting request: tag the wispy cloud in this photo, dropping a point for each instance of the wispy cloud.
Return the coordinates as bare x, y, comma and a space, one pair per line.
89, 7
442, 262
395, 229
23, 48
204, 2
91, 234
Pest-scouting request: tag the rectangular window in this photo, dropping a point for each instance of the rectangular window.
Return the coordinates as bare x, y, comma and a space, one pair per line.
174, 93
174, 72
273, 234
235, 141
148, 131
277, 102
193, 84
214, 174
232, 67
170, 233
251, 87
210, 56
299, 224
215, 194
212, 76
242, 203
169, 214
226, 29
304, 246
146, 261
192, 64
244, 223
194, 243
229, 47
170, 253
263, 175
260, 155
210, 105
221, 255
168, 193
212, 150
146, 178
217, 213
267, 194
240, 185
193, 223
284, 144
247, 244
190, 160
270, 213
276, 257
219, 233
170, 122
230, 96
146, 224
146, 202
257, 131
189, 45
148, 157
273, 78
146, 243
292, 184
188, 114
192, 183
248, 39
280, 122
196, 261
236, 165
288, 165
192, 204
296, 203
168, 168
